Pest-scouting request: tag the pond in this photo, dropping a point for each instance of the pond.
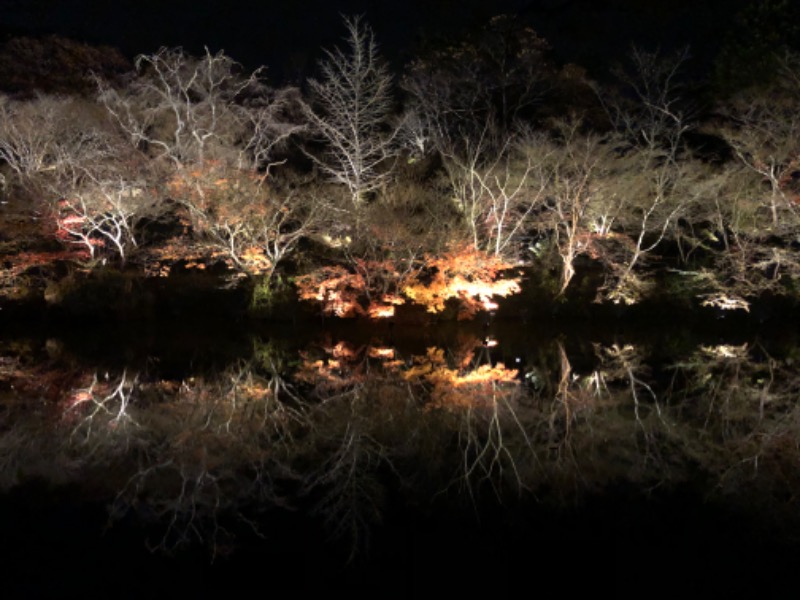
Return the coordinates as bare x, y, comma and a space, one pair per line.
628, 453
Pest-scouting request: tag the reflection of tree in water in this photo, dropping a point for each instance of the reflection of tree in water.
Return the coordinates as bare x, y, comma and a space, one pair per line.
347, 486
743, 402
359, 418
196, 451
348, 430
480, 401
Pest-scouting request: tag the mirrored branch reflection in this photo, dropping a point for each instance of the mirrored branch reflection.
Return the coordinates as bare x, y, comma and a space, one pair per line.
344, 431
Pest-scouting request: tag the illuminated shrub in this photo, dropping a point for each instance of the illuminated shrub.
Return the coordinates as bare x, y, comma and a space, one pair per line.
373, 288
465, 274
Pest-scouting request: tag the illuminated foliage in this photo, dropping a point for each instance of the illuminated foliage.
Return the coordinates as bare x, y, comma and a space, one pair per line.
17, 266
239, 214
335, 288
370, 288
102, 216
184, 176
470, 276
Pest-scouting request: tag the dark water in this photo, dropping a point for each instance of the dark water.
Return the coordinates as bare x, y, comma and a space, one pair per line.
634, 455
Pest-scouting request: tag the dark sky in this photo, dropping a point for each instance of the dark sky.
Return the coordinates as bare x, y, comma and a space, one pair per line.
280, 35
287, 36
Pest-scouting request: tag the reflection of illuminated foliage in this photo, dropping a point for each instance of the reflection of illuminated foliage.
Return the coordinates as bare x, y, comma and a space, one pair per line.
336, 428
204, 445
725, 301
381, 352
360, 422
342, 366
724, 351
734, 393
102, 405
220, 444
461, 387
744, 405
495, 445
625, 365
189, 514
720, 385
484, 400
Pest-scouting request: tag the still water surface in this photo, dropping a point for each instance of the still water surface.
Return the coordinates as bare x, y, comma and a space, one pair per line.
336, 455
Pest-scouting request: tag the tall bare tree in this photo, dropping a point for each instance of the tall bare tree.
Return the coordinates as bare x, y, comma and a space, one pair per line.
651, 117
351, 109
51, 141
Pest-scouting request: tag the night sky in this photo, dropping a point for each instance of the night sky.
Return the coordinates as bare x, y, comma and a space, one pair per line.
287, 36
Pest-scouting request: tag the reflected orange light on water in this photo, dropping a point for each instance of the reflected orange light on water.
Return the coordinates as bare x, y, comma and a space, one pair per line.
381, 352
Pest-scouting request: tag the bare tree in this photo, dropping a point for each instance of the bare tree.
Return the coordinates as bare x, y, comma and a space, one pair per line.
497, 188
103, 214
183, 108
765, 134
577, 215
220, 130
254, 223
258, 236
50, 143
352, 105
649, 115
754, 209
272, 119
64, 154
27, 142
